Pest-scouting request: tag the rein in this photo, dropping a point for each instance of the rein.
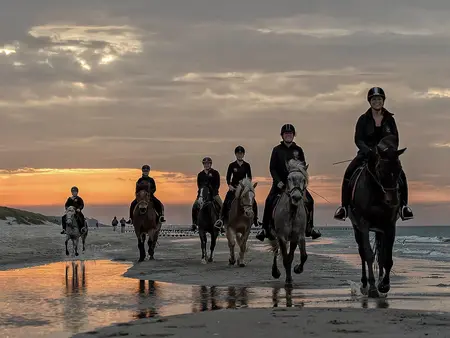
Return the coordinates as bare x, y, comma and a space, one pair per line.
377, 181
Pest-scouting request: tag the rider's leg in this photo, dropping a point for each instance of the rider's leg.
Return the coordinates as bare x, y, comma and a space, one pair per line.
267, 216
159, 207
309, 205
405, 212
63, 223
226, 207
342, 212
82, 222
132, 206
255, 212
194, 215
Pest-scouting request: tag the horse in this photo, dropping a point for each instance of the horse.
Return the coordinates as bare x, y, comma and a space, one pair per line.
207, 216
290, 221
145, 223
73, 231
241, 219
375, 206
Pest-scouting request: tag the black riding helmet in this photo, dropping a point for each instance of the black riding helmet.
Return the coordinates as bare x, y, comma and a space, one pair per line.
74, 189
145, 167
207, 160
239, 149
287, 128
376, 91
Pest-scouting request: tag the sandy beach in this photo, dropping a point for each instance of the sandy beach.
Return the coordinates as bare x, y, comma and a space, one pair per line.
178, 261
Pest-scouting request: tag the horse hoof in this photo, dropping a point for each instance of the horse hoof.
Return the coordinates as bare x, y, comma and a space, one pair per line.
67, 253
298, 269
210, 260
203, 261
364, 290
276, 273
373, 293
288, 284
141, 259
384, 288
77, 254
231, 261
152, 258
242, 265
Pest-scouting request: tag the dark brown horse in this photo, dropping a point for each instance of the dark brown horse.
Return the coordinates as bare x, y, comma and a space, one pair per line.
145, 223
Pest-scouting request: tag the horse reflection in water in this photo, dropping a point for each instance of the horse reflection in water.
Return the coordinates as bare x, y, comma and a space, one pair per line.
75, 312
212, 298
288, 296
143, 297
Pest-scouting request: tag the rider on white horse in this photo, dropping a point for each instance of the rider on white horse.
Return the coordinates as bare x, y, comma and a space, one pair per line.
78, 203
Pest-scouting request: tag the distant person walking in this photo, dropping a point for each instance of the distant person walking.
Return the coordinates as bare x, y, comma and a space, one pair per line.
114, 223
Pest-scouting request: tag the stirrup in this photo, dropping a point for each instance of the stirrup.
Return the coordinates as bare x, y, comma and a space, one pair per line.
402, 213
218, 224
341, 218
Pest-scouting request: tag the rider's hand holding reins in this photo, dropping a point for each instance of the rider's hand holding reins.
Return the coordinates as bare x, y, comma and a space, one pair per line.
231, 188
280, 185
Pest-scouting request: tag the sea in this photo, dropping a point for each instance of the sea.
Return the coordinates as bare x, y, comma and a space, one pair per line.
417, 242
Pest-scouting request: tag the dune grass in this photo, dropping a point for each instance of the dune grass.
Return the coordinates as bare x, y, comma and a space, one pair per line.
27, 217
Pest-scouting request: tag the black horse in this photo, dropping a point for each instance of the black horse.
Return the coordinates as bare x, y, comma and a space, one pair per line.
208, 214
375, 206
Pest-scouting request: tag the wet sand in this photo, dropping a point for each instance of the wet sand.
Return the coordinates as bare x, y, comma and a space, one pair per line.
265, 323
178, 261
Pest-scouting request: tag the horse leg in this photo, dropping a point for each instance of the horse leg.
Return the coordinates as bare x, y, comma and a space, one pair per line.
287, 263
358, 238
369, 258
243, 248
75, 246
151, 252
214, 235
65, 242
387, 244
231, 237
303, 255
83, 240
380, 255
275, 271
203, 240
141, 247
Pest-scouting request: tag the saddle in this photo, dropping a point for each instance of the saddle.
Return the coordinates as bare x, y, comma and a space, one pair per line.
354, 180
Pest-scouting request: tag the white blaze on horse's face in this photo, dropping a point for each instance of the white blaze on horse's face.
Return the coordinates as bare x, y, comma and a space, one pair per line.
296, 187
70, 213
248, 204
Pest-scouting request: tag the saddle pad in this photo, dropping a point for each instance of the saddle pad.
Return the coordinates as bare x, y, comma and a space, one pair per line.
354, 179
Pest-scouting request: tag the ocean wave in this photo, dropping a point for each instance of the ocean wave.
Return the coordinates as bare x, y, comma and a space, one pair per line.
421, 239
429, 253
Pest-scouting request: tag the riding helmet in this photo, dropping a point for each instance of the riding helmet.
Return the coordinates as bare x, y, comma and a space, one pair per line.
239, 149
376, 91
207, 160
74, 189
145, 167
287, 128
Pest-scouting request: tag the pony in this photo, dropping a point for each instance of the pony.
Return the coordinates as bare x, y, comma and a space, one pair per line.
145, 223
241, 219
73, 231
290, 221
207, 216
375, 206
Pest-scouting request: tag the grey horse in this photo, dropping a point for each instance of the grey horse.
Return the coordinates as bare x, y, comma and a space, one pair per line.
73, 232
290, 220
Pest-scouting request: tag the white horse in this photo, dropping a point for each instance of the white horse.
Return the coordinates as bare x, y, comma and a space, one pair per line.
73, 231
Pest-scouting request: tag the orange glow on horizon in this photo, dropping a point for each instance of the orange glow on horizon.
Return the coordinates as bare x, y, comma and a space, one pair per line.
40, 187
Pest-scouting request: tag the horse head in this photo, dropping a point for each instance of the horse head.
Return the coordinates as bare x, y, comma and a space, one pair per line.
70, 217
204, 195
387, 168
143, 201
297, 181
245, 194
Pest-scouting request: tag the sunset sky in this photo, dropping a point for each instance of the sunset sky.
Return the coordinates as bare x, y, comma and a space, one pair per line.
91, 90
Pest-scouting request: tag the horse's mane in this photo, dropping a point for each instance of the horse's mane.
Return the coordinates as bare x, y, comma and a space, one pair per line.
298, 166
244, 186
388, 142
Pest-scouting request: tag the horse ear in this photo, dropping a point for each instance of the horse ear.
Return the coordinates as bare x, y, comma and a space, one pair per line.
401, 151
255, 184
307, 166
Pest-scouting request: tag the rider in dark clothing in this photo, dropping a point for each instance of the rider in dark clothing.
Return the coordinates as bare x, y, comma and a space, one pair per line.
237, 171
211, 177
147, 183
281, 154
368, 134
78, 203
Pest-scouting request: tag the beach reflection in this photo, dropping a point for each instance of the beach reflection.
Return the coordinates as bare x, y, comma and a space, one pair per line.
61, 299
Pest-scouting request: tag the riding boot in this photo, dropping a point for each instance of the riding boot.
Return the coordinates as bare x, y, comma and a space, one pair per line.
132, 206
267, 220
405, 211
63, 222
161, 213
310, 230
342, 212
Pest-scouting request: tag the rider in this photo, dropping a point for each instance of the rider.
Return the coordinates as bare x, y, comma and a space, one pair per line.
237, 171
78, 203
211, 177
145, 182
371, 127
282, 153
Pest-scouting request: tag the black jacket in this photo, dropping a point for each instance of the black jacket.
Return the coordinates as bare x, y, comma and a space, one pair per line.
281, 154
76, 202
211, 178
146, 182
365, 136
236, 173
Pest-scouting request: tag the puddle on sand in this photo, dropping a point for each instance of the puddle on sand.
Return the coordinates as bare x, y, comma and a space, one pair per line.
61, 299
